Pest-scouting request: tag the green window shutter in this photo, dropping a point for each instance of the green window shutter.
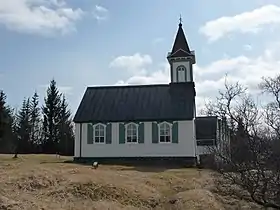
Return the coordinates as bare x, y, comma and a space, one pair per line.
141, 133
89, 133
175, 132
109, 133
121, 133
154, 133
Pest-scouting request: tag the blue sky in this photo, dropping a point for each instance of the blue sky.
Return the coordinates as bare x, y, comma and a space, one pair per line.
83, 43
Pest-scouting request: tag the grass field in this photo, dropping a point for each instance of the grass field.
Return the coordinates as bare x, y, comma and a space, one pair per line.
46, 182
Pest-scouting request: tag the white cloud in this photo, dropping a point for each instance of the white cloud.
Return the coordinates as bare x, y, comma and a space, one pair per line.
210, 78
57, 3
100, 13
247, 22
45, 17
161, 76
100, 8
132, 63
247, 70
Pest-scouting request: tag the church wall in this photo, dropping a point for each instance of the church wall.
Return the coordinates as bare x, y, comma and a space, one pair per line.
186, 145
77, 140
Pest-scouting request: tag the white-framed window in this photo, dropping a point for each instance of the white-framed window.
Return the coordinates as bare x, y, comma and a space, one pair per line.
165, 132
131, 134
99, 133
181, 73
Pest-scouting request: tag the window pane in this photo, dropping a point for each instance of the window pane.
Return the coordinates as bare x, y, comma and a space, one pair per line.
97, 139
130, 126
162, 139
181, 68
101, 133
101, 139
134, 139
167, 132
134, 132
167, 138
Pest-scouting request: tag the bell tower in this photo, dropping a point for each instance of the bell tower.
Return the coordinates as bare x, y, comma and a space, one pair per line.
181, 58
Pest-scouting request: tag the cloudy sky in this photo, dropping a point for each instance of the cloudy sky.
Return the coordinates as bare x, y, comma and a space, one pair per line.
84, 43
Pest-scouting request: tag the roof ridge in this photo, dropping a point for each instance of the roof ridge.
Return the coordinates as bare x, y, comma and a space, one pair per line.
126, 86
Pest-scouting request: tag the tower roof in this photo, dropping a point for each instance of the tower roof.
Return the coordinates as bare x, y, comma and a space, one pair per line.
180, 47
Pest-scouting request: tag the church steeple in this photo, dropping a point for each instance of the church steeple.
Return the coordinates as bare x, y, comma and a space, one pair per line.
180, 41
181, 58
180, 47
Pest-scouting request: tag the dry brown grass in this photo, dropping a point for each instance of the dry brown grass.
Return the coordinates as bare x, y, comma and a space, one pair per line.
46, 182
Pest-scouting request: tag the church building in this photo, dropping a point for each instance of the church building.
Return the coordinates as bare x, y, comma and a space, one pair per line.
156, 121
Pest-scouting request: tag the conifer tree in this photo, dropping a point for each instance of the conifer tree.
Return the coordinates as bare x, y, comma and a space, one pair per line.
66, 134
3, 113
51, 118
23, 128
35, 121
6, 123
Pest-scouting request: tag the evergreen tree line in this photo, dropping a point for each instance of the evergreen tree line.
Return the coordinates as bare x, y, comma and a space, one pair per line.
34, 129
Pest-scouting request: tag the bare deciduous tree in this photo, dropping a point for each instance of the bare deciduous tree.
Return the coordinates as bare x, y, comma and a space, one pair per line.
271, 86
252, 159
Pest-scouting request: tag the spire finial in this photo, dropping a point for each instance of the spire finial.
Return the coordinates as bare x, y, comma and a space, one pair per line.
180, 21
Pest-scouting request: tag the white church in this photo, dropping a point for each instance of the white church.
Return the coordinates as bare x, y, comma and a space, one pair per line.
154, 122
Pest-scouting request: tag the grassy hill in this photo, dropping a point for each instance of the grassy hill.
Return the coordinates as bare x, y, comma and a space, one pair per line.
46, 182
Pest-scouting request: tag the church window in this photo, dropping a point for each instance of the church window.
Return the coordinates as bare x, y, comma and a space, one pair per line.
181, 73
99, 133
164, 132
131, 133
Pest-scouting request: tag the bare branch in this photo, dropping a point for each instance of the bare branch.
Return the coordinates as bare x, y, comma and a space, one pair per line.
252, 158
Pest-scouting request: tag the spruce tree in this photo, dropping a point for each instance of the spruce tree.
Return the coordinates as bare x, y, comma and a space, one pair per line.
23, 128
6, 123
3, 113
35, 121
51, 119
66, 134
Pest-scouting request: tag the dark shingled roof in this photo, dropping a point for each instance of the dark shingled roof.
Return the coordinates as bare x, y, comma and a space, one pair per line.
180, 44
206, 127
137, 103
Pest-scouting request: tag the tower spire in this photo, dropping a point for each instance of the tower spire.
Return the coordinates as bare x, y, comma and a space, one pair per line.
180, 21
180, 44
